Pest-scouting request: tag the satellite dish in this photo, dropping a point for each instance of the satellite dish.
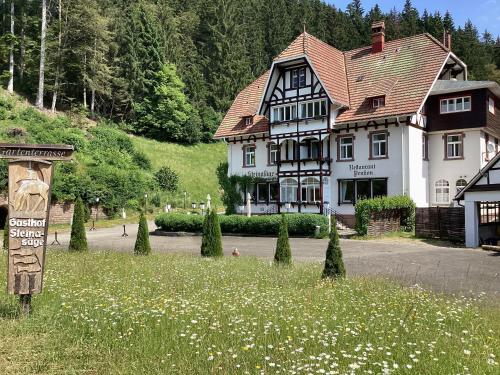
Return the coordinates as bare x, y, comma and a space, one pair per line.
490, 148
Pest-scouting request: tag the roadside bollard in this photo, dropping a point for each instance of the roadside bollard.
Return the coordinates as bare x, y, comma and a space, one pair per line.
124, 232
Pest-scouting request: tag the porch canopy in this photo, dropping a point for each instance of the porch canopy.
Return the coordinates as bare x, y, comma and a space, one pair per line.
481, 198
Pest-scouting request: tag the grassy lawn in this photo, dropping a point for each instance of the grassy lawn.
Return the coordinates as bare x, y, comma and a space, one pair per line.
106, 313
195, 165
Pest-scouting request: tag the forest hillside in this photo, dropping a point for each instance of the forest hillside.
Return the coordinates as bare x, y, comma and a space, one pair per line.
169, 69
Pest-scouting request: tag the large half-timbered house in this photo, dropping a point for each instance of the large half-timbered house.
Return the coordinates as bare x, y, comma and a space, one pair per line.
322, 128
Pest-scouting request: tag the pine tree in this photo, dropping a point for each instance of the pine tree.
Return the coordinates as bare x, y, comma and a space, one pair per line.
283, 254
334, 265
211, 243
142, 245
78, 241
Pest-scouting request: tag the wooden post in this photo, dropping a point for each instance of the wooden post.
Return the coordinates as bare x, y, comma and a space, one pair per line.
25, 301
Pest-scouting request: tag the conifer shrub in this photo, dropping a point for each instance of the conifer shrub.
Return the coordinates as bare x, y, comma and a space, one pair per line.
78, 241
334, 264
283, 254
211, 243
142, 245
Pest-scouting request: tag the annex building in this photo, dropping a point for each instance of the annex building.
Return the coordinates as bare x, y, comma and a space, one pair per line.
322, 128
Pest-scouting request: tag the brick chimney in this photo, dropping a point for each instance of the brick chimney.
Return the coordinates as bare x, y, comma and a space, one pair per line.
447, 39
378, 36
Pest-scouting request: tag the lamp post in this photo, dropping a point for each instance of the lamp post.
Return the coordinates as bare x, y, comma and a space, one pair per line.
193, 206
202, 207
145, 202
185, 195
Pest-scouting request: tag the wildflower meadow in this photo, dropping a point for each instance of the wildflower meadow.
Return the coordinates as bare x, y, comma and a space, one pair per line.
107, 312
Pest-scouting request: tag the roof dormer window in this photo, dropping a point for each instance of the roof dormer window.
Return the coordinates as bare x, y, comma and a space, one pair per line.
378, 102
248, 120
298, 78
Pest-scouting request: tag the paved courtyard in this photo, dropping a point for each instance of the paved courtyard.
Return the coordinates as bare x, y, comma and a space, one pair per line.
442, 269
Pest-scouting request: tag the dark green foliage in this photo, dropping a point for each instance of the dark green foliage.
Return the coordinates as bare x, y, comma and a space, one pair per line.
211, 243
165, 113
78, 241
167, 179
156, 200
402, 203
334, 264
141, 160
142, 245
298, 224
283, 254
230, 195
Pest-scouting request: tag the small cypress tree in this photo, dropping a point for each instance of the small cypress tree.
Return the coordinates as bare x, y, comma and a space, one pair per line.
211, 243
334, 265
142, 245
6, 235
283, 254
78, 241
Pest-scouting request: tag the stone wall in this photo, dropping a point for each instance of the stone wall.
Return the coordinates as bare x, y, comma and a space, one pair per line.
383, 222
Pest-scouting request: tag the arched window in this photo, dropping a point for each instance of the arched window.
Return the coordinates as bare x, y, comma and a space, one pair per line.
442, 191
460, 184
288, 190
310, 189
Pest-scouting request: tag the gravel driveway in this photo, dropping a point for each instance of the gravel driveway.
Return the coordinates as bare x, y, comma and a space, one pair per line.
442, 269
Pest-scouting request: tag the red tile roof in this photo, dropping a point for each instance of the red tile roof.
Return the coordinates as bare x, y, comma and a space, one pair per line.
327, 62
246, 104
403, 73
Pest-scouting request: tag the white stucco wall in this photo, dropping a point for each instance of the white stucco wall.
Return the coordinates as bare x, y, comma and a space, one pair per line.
390, 168
417, 169
453, 170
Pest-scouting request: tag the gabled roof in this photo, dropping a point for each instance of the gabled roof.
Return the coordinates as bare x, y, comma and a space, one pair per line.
404, 72
327, 62
447, 86
246, 104
478, 176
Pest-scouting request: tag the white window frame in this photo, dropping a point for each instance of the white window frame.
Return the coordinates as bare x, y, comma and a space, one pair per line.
344, 147
249, 155
311, 187
248, 120
442, 191
288, 190
311, 107
451, 105
378, 102
260, 185
287, 112
302, 77
273, 153
456, 147
376, 145
491, 105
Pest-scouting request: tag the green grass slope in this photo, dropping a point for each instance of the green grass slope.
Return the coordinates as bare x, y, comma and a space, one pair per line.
196, 166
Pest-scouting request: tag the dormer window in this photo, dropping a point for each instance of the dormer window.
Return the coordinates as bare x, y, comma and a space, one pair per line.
248, 120
298, 78
378, 102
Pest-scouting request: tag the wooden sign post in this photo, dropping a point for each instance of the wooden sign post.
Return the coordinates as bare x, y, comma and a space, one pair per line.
30, 178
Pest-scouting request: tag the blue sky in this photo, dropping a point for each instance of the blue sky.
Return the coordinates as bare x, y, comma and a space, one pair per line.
485, 14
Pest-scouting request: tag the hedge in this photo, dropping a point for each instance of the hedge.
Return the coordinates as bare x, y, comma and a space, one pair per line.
298, 224
364, 209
